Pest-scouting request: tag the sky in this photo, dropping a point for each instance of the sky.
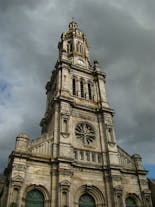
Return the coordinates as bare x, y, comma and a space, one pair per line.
121, 36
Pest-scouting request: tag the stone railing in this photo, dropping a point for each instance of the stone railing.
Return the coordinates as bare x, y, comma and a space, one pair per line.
41, 146
87, 156
125, 159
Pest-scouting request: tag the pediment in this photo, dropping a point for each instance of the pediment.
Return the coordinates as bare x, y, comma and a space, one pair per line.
65, 183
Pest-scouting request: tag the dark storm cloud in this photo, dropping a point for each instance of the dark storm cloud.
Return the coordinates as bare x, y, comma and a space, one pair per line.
7, 4
120, 35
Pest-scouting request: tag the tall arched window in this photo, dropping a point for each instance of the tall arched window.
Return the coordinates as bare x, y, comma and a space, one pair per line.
90, 91
65, 127
77, 47
86, 200
68, 47
80, 48
34, 198
71, 46
74, 86
130, 202
82, 88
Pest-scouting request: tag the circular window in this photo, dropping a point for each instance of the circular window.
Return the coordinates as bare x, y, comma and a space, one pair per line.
85, 132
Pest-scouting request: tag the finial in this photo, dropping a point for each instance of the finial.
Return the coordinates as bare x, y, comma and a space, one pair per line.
73, 24
96, 61
96, 65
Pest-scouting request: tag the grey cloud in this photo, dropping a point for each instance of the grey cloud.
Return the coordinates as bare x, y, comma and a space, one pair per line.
120, 34
7, 4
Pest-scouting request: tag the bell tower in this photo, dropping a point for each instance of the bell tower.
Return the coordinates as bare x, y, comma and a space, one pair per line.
73, 46
79, 118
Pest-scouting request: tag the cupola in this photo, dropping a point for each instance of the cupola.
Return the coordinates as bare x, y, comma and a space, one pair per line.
73, 46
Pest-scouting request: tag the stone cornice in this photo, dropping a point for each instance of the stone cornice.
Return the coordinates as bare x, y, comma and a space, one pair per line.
29, 157
75, 67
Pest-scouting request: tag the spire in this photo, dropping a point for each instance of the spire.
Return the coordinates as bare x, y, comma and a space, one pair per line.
73, 46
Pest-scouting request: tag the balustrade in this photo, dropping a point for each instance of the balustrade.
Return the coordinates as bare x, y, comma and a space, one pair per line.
87, 156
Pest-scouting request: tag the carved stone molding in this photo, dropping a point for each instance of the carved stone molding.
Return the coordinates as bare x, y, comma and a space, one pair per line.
112, 144
17, 178
118, 189
65, 134
108, 119
93, 191
65, 185
67, 172
84, 116
19, 167
17, 181
143, 181
65, 115
117, 178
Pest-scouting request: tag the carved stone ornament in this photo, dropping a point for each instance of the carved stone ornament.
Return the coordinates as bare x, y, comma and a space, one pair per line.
146, 192
108, 119
85, 132
83, 116
65, 115
65, 183
18, 179
111, 144
65, 134
118, 188
19, 167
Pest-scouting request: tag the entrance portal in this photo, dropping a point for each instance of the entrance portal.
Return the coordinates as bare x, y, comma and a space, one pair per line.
34, 198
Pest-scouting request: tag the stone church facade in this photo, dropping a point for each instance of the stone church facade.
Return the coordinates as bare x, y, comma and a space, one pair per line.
75, 162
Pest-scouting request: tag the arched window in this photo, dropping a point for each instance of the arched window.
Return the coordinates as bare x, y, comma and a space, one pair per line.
80, 48
68, 47
130, 202
82, 88
73, 86
90, 91
77, 47
34, 198
86, 200
65, 126
71, 46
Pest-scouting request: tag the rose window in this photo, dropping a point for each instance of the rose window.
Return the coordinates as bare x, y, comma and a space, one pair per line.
85, 132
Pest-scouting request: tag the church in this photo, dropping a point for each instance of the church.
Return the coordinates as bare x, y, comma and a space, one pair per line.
75, 162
